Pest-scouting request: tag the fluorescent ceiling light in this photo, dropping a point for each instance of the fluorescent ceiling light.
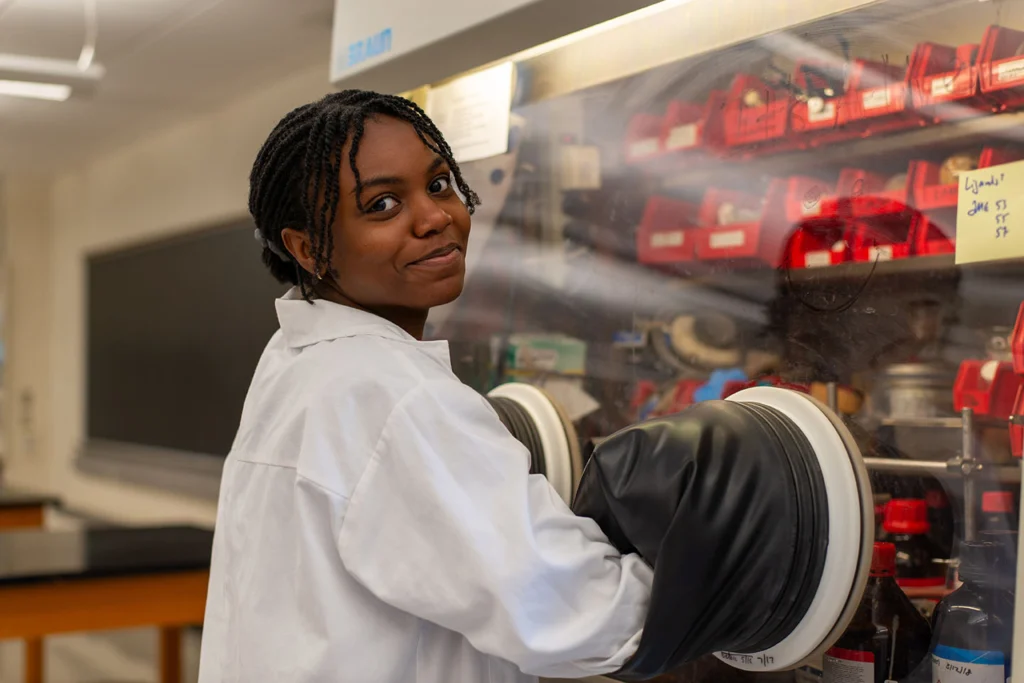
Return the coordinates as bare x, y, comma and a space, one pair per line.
48, 79
39, 91
596, 29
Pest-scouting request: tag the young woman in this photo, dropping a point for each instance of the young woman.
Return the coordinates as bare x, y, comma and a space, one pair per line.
377, 523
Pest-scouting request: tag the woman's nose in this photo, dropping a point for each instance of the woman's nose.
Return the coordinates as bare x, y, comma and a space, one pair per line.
430, 217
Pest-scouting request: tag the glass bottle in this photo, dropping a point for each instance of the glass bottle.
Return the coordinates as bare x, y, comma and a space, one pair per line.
887, 639
974, 623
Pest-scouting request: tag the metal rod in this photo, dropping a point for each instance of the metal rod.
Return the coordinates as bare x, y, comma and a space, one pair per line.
1007, 475
833, 396
894, 466
967, 466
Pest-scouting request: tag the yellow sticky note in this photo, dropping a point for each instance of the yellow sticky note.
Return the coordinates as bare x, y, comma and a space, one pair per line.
990, 214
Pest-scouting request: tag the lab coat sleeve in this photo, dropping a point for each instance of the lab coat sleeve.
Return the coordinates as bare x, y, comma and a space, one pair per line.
447, 524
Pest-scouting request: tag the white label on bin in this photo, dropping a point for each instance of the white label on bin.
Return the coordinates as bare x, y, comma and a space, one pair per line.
643, 148
1010, 71
882, 253
661, 240
848, 666
943, 85
724, 240
811, 208
875, 99
816, 259
820, 110
682, 137
953, 665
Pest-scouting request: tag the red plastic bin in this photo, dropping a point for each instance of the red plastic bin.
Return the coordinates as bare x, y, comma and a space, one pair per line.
932, 236
764, 124
885, 237
1017, 342
945, 84
817, 118
1017, 431
819, 244
760, 241
861, 193
819, 238
688, 127
989, 387
928, 194
878, 98
1001, 65
666, 232
643, 138
805, 196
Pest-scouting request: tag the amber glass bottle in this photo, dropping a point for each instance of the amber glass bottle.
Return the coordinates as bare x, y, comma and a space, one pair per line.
887, 639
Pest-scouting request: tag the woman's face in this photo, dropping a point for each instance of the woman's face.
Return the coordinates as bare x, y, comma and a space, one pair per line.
406, 248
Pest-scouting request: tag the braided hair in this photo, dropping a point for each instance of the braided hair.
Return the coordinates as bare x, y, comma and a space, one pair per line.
294, 180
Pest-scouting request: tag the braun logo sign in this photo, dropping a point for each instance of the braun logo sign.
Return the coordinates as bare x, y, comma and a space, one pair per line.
362, 50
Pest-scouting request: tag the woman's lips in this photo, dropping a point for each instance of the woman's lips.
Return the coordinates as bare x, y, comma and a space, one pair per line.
441, 258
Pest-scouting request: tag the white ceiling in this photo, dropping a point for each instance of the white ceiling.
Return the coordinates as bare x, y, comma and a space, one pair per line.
166, 60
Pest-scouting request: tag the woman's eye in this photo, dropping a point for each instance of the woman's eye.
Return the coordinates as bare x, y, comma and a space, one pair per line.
382, 204
440, 184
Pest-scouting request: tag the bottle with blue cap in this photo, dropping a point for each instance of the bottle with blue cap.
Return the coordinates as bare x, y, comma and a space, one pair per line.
974, 624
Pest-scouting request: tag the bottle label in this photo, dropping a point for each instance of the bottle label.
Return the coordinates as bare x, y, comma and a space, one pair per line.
953, 665
849, 666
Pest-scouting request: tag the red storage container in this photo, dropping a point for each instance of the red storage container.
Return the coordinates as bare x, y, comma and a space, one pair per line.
861, 194
816, 120
1017, 343
820, 243
989, 387
928, 194
1017, 431
819, 239
945, 82
666, 232
763, 124
878, 98
933, 237
1001, 65
885, 237
761, 240
689, 127
804, 198
643, 138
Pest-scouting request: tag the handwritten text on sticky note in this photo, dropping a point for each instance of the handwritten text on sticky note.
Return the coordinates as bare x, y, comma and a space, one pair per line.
990, 214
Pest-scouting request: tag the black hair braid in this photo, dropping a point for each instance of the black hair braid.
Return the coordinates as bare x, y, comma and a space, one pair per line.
294, 180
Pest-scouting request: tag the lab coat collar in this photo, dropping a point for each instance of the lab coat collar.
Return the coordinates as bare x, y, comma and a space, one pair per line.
304, 324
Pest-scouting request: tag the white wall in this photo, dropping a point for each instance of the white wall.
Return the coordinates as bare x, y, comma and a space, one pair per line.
180, 179
27, 283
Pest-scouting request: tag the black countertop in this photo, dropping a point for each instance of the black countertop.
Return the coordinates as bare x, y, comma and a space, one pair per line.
13, 498
41, 556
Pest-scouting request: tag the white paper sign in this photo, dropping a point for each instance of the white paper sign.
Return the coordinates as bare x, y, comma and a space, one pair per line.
473, 112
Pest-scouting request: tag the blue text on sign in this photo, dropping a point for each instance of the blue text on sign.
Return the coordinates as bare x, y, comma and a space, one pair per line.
374, 46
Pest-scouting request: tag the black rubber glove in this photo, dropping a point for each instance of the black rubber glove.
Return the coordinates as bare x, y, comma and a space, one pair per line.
726, 503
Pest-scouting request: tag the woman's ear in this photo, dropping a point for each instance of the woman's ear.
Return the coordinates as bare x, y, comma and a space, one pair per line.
298, 245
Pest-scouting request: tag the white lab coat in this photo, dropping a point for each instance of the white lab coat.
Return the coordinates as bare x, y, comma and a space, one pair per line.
377, 524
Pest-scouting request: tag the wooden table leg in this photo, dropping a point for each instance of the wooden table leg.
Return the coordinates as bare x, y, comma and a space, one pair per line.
34, 660
170, 654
